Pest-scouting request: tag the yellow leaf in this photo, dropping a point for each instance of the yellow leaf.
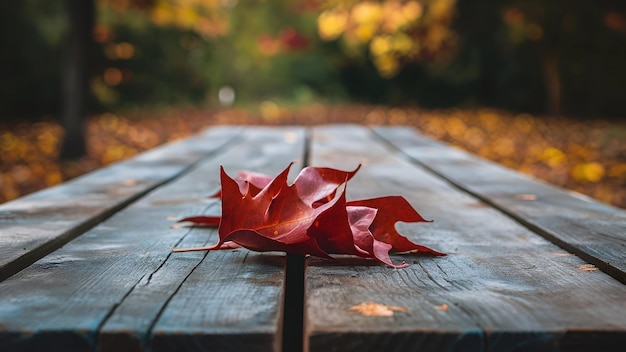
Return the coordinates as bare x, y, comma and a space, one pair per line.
387, 65
588, 172
402, 43
553, 157
364, 32
331, 24
186, 17
412, 11
367, 12
162, 14
380, 45
441, 9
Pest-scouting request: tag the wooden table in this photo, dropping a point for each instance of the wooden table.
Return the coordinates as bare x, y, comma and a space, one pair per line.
530, 267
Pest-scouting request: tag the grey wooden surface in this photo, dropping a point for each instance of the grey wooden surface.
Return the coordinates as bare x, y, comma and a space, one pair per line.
35, 225
103, 277
502, 287
118, 287
594, 231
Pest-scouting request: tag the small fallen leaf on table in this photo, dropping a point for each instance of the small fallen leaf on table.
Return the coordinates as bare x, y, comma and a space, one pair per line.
444, 307
563, 254
587, 267
312, 216
526, 196
372, 309
130, 182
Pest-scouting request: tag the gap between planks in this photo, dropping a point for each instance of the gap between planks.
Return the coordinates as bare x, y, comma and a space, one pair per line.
114, 312
294, 303
290, 326
484, 283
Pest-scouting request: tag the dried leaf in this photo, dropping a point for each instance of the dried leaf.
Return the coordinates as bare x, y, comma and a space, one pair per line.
130, 182
526, 196
563, 254
372, 309
391, 210
311, 216
587, 267
443, 307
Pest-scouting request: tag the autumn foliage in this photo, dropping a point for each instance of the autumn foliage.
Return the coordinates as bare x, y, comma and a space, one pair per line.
585, 156
311, 216
393, 32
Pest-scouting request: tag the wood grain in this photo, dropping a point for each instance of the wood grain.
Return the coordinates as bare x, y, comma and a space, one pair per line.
35, 225
502, 287
119, 287
594, 231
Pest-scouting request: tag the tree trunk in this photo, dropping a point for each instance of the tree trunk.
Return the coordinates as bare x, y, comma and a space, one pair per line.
553, 83
75, 81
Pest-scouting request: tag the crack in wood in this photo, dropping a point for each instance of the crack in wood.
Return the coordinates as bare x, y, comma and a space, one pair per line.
149, 335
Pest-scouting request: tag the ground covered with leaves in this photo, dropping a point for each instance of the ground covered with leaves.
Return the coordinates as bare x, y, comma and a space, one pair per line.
588, 156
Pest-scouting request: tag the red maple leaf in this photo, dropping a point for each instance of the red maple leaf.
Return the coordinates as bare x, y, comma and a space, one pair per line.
311, 216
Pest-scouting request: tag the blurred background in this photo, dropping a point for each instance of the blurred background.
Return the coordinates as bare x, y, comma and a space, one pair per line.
537, 85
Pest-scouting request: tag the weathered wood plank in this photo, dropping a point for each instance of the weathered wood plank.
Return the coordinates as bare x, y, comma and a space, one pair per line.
230, 299
501, 287
236, 296
35, 225
110, 288
594, 231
